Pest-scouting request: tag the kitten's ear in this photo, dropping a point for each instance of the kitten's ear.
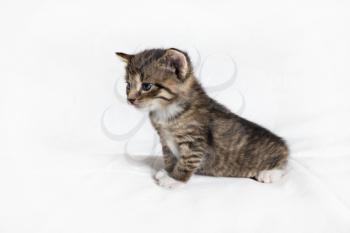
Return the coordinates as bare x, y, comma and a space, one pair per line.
125, 57
176, 61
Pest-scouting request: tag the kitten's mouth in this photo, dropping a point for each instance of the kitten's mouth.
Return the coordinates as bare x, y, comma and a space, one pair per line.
137, 104
143, 105
133, 102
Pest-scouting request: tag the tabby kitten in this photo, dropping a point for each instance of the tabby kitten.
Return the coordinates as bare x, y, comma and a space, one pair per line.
198, 135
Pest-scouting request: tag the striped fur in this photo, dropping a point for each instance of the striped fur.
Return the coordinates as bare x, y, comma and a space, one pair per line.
198, 135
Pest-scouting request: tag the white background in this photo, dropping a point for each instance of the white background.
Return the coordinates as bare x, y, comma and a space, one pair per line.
59, 172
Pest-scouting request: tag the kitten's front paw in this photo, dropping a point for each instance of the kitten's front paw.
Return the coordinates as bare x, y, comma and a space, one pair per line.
160, 174
164, 180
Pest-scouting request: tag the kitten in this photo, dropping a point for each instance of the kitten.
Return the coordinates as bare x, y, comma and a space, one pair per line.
198, 135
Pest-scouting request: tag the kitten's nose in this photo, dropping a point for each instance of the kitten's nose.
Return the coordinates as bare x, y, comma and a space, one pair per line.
131, 100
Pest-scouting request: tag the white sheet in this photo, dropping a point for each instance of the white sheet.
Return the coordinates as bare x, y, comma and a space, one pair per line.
61, 172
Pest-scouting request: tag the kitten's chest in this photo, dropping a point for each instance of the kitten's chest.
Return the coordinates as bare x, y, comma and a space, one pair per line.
166, 131
168, 139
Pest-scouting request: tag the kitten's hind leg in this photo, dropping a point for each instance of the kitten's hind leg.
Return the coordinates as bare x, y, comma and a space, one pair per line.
272, 168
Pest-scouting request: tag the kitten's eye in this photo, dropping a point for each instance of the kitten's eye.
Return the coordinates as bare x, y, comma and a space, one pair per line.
127, 86
146, 86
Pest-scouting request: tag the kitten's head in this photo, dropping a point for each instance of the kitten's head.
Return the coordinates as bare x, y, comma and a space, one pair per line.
156, 78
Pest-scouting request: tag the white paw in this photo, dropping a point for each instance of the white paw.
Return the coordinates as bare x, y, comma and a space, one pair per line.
160, 174
270, 176
164, 180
